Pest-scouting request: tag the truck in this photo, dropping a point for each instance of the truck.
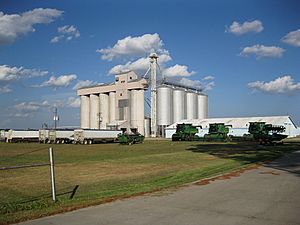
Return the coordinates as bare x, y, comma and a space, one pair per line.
90, 136
22, 136
59, 136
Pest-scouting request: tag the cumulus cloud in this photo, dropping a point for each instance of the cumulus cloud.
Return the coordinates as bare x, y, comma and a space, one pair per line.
67, 32
31, 106
133, 46
177, 70
292, 38
8, 73
5, 89
61, 81
282, 85
141, 64
246, 27
191, 83
263, 51
73, 102
14, 25
197, 84
84, 83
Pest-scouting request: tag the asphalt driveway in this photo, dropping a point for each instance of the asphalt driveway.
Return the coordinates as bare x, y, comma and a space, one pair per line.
269, 195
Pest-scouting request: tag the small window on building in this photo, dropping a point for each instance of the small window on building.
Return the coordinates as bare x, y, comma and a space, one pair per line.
123, 81
121, 94
117, 79
130, 78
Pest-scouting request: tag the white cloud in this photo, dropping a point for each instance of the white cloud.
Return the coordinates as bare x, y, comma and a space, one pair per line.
191, 83
56, 39
73, 102
208, 78
209, 86
141, 64
61, 81
8, 73
84, 83
5, 89
263, 51
177, 70
14, 25
133, 46
28, 106
197, 84
239, 29
292, 38
67, 32
283, 84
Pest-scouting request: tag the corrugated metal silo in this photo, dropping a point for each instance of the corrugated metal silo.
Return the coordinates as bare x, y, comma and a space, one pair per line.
137, 110
202, 106
112, 106
178, 105
94, 111
147, 127
191, 105
85, 111
104, 110
164, 106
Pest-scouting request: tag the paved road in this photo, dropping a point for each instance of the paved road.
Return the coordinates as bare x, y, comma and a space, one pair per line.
267, 195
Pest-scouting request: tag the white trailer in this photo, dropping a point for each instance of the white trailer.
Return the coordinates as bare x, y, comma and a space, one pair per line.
2, 135
82, 136
61, 136
22, 135
56, 136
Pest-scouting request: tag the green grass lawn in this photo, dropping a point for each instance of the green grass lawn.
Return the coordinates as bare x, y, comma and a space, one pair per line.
106, 172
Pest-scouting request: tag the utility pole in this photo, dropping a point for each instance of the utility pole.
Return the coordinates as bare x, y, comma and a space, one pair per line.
55, 118
153, 62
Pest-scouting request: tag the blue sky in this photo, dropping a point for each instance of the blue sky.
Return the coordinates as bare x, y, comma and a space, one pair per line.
245, 54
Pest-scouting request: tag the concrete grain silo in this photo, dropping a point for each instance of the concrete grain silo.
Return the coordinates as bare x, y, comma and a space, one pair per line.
112, 106
137, 111
84, 111
104, 110
94, 111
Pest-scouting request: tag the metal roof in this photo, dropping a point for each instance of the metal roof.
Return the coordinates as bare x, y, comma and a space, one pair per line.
237, 122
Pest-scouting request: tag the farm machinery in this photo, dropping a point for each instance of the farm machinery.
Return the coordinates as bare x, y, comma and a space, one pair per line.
130, 138
185, 132
266, 133
218, 132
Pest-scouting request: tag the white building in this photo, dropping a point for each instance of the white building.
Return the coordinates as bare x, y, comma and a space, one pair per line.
239, 125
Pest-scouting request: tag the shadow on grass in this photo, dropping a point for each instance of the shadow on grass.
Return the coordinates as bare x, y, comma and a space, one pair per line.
247, 152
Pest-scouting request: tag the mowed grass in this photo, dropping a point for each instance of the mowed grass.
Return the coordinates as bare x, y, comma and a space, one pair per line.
106, 172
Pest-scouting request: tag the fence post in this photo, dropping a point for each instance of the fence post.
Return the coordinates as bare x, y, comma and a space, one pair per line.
52, 174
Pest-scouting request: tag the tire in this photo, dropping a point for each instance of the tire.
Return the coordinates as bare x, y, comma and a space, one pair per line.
90, 142
85, 142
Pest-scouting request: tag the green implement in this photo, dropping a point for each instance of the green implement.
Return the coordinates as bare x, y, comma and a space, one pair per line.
129, 139
185, 132
266, 133
217, 132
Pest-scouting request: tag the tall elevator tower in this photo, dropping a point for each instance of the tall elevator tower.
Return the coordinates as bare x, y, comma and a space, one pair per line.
153, 63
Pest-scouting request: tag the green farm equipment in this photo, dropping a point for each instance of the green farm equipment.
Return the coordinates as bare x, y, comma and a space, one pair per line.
130, 138
185, 132
217, 132
266, 133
